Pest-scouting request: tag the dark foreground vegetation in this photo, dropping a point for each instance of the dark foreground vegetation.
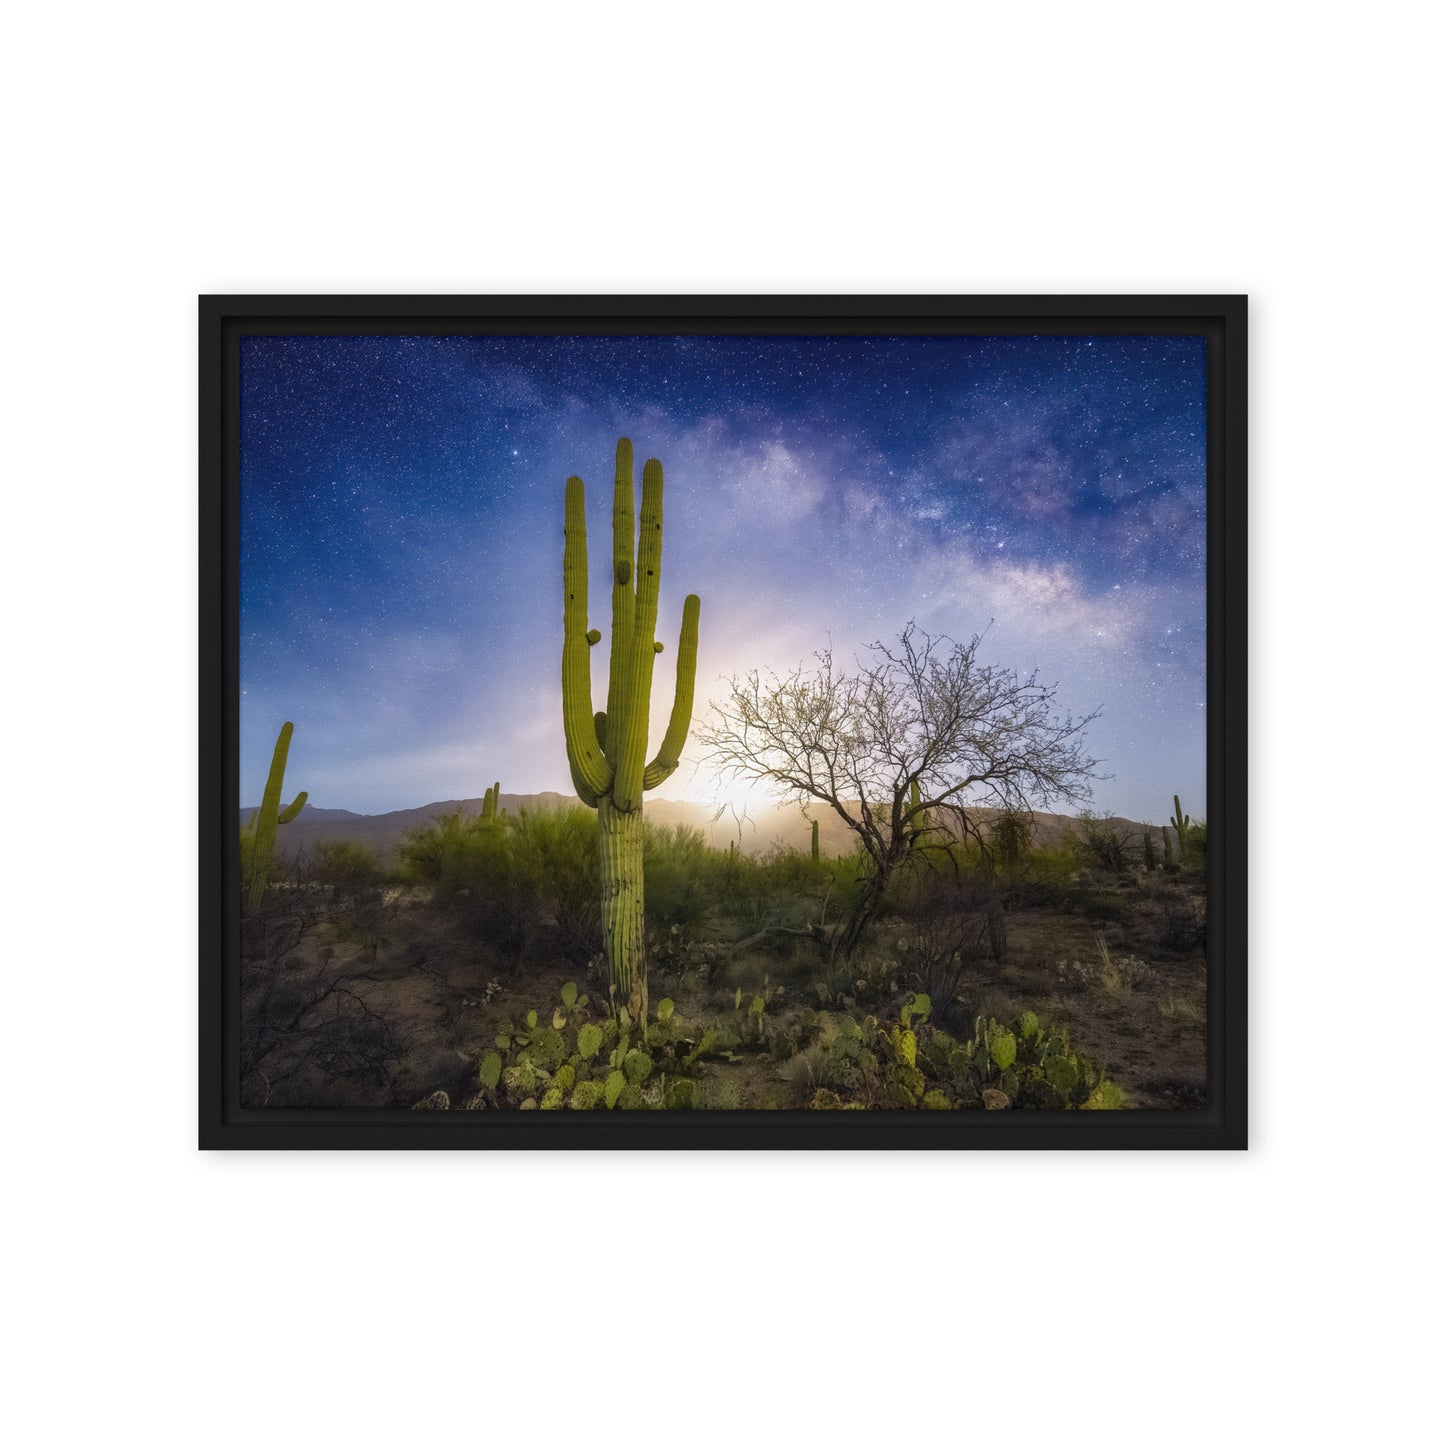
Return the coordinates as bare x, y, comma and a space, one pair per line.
991, 974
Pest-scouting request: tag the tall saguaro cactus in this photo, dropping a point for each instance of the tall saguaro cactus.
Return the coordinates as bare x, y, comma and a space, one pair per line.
815, 840
607, 751
268, 817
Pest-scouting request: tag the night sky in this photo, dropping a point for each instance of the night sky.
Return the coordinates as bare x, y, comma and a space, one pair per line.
401, 505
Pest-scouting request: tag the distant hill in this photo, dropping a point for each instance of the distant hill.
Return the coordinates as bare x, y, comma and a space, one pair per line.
785, 825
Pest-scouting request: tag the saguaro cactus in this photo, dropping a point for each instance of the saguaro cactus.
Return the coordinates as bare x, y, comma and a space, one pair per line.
261, 831
917, 817
815, 840
1181, 823
489, 803
1191, 837
607, 751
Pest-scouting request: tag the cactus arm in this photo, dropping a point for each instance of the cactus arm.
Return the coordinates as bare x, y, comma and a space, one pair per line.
670, 752
631, 742
591, 774
291, 812
624, 521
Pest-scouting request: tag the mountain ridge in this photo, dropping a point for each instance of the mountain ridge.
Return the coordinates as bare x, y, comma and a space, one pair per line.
777, 824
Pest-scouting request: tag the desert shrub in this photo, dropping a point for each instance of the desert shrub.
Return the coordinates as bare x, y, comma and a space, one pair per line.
1011, 840
1100, 844
779, 888
806, 1072
1194, 847
952, 916
780, 903
345, 866
870, 978
739, 887
1101, 907
550, 857
791, 871
717, 1094
1048, 878
310, 1026
1115, 976
1184, 1010
525, 883
451, 853
1181, 924
678, 867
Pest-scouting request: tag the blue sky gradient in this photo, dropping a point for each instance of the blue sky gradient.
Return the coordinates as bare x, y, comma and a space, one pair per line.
401, 545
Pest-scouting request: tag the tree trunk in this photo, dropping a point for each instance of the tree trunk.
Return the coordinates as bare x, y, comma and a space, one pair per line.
619, 856
847, 938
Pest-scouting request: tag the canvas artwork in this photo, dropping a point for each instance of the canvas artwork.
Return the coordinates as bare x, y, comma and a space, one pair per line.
722, 722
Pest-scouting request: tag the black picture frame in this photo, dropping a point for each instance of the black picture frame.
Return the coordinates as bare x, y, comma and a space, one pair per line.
1220, 319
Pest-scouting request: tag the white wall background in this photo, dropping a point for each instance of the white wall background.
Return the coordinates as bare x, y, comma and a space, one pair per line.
154, 151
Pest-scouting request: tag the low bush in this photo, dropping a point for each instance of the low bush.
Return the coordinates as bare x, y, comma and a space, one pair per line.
1103, 845
526, 883
345, 866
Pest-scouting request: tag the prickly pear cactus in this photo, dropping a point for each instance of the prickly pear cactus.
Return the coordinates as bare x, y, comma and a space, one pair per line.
1003, 1050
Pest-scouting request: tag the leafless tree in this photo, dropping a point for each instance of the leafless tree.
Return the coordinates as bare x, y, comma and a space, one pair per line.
919, 710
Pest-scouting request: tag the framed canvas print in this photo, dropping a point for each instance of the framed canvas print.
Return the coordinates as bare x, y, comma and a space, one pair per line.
747, 722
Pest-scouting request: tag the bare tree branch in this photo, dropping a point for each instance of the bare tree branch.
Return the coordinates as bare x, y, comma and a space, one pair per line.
919, 710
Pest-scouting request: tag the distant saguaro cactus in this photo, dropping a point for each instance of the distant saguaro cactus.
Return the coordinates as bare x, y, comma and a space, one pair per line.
917, 816
607, 750
261, 831
489, 803
1181, 823
1192, 837
815, 840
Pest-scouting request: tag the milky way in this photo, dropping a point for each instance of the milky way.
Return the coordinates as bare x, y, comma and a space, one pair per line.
402, 534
